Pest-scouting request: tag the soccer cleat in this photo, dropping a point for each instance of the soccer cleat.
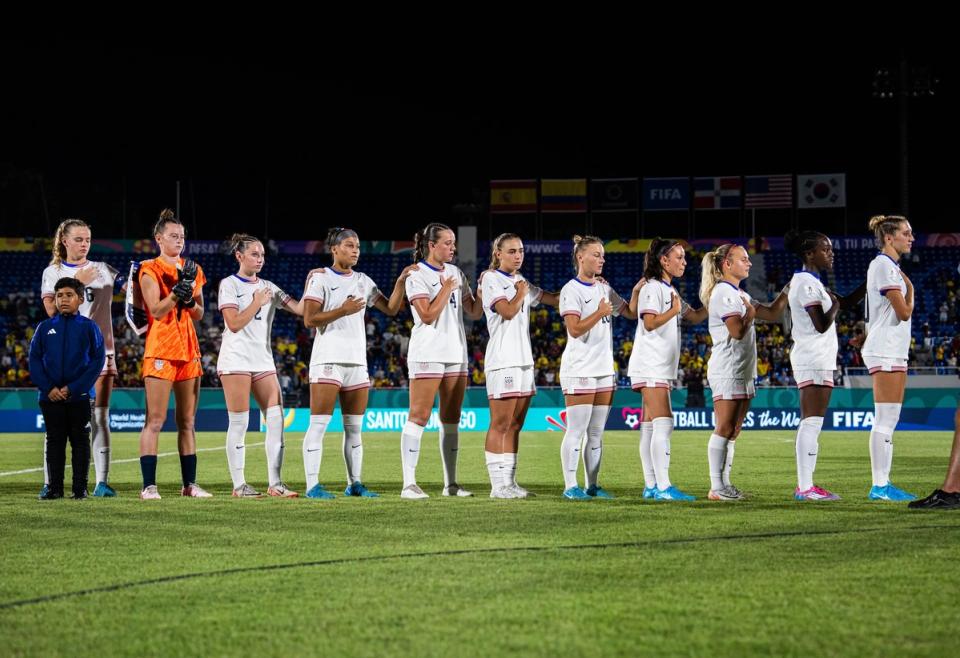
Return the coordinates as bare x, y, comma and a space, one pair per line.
576, 493
728, 492
650, 493
939, 499
246, 491
193, 490
280, 490
672, 493
357, 489
80, 495
898, 494
103, 490
521, 492
596, 491
413, 492
457, 491
150, 493
503, 492
890, 493
49, 494
814, 493
317, 491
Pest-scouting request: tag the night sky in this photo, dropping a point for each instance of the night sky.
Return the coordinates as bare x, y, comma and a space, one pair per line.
288, 141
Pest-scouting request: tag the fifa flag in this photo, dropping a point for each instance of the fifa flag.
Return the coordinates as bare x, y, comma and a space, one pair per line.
614, 194
716, 193
768, 192
822, 191
666, 194
513, 196
563, 195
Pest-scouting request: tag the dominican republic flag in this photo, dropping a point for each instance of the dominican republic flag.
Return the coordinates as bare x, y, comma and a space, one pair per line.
768, 191
716, 192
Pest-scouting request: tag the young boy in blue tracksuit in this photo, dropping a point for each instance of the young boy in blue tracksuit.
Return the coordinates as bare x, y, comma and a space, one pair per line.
66, 357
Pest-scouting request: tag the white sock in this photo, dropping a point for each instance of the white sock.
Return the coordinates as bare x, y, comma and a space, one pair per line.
807, 449
493, 460
886, 415
660, 450
100, 440
716, 457
646, 459
274, 445
508, 468
728, 462
593, 448
578, 417
46, 473
313, 448
410, 452
449, 447
353, 447
236, 448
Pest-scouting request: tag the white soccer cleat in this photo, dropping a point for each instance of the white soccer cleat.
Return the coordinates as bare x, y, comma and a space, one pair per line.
503, 492
246, 491
726, 493
456, 490
413, 492
150, 493
193, 490
521, 492
280, 490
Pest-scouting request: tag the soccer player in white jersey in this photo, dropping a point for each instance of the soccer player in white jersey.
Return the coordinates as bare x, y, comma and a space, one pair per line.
71, 244
334, 303
439, 294
245, 364
655, 359
888, 319
732, 367
586, 367
507, 297
813, 357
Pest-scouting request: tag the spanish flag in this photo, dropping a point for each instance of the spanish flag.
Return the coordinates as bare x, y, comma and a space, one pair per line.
563, 195
513, 196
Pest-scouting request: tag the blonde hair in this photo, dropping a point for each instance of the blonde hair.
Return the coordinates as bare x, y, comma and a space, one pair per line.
496, 245
882, 225
581, 242
59, 249
712, 270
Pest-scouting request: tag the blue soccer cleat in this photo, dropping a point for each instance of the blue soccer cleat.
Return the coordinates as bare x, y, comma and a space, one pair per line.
650, 493
596, 491
898, 495
576, 493
319, 492
672, 493
104, 490
357, 489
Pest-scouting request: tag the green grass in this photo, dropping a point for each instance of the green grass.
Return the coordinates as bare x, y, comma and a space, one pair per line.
548, 577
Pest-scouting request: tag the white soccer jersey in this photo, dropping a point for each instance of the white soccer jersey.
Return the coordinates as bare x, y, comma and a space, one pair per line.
509, 343
97, 298
590, 355
887, 336
811, 350
656, 354
729, 357
442, 341
344, 340
249, 349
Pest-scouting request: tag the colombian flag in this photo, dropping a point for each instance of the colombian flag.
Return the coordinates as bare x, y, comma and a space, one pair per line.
563, 195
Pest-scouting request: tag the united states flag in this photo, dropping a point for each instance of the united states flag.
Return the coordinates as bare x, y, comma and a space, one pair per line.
769, 191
